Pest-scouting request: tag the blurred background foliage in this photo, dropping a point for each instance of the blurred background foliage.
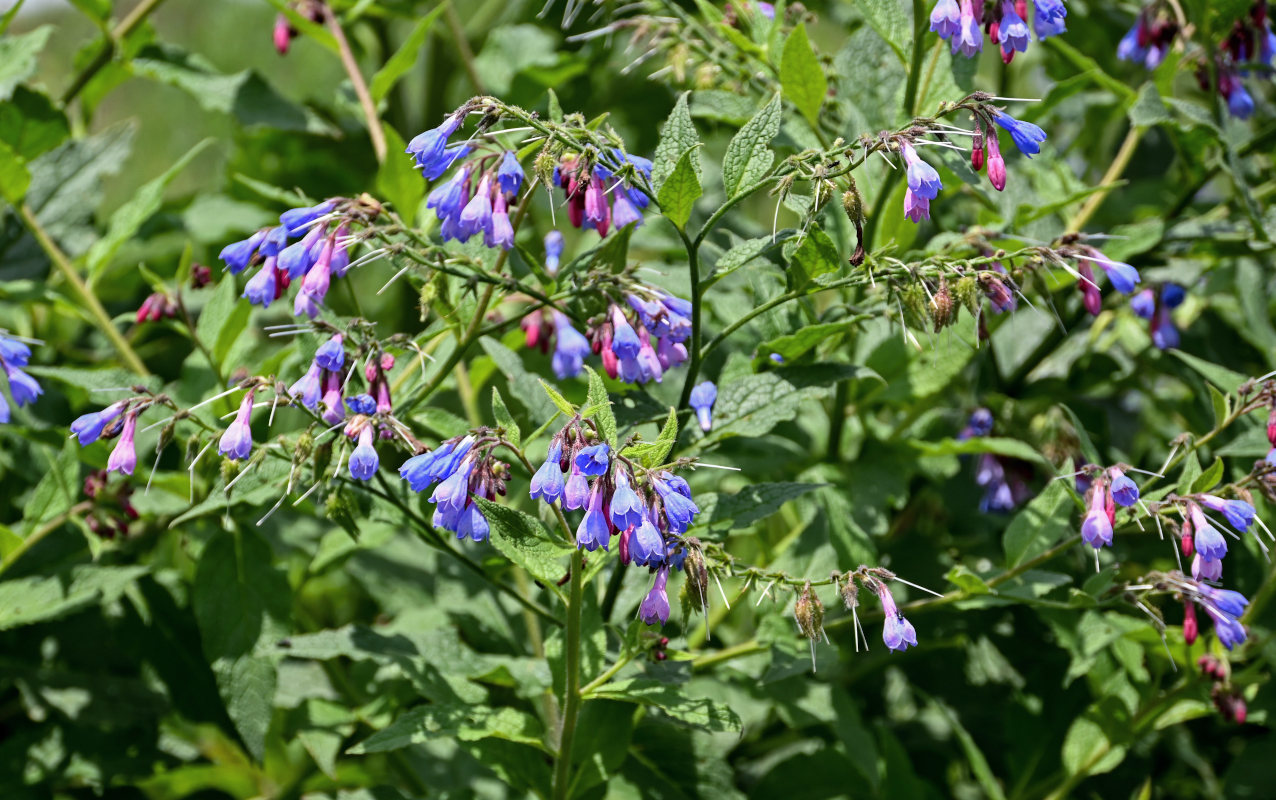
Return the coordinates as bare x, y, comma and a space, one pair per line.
179, 661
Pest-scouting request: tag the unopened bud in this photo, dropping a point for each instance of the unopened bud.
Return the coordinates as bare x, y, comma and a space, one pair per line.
809, 612
967, 292
697, 576
916, 306
166, 436
942, 308
851, 594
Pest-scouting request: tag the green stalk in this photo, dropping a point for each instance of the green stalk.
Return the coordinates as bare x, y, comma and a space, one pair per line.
919, 48
571, 691
693, 271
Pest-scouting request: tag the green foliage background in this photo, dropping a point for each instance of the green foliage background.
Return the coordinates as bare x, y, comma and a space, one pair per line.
343, 649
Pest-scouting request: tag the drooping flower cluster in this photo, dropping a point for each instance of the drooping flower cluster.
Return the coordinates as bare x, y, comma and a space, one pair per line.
119, 419
14, 355
898, 633
602, 195
1224, 607
477, 198
637, 342
1122, 276
1149, 39
464, 469
322, 252
1104, 490
923, 180
1005, 23
1002, 478
1155, 306
648, 511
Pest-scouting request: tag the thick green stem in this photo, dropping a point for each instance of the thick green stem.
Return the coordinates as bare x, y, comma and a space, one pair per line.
919, 51
571, 690
693, 271
94, 308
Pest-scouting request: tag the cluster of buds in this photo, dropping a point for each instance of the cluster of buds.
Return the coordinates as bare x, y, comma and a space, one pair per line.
14, 355
112, 509
1002, 478
601, 191
649, 511
117, 421
321, 253
1224, 607
1005, 22
155, 307
1104, 490
1250, 39
1123, 277
637, 342
464, 469
1205, 543
1155, 306
284, 32
1226, 697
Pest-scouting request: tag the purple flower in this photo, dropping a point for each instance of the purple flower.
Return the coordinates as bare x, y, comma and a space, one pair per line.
553, 251
275, 241
670, 353
1045, 28
1124, 491
1240, 103
1267, 48
501, 232
1144, 304
702, 400
624, 212
88, 427
14, 352
624, 341
331, 354
1122, 276
307, 387
364, 460
923, 180
428, 148
1129, 49
625, 507
298, 257
262, 287
448, 199
1096, 528
1203, 570
593, 460
571, 348
647, 546
510, 174
237, 442
24, 388
968, 40
1209, 542
945, 18
420, 471
1013, 30
1230, 632
576, 490
454, 491
1225, 600
1238, 513
362, 404
680, 509
980, 424
1028, 137
477, 214
547, 483
655, 606
897, 632
472, 524
123, 458
237, 255
916, 207
593, 531
297, 220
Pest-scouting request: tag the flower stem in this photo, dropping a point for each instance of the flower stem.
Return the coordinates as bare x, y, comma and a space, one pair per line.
919, 50
360, 86
571, 691
91, 304
693, 270
114, 38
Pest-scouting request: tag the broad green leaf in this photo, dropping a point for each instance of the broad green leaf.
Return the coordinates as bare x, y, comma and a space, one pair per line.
567, 409
240, 600
1148, 110
524, 541
501, 414
795, 345
1087, 750
1041, 524
15, 178
597, 398
40, 598
801, 76
1222, 377
397, 65
698, 712
523, 385
30, 124
741, 255
128, 218
749, 155
513, 49
982, 444
678, 194
18, 53
815, 256
652, 454
970, 583
466, 723
888, 19
677, 138
1209, 478
222, 321
750, 504
58, 489
754, 404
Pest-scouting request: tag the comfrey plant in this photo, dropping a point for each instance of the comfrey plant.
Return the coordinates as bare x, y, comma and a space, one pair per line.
563, 400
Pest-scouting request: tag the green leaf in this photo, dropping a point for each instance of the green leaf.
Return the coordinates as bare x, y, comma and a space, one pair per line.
1087, 750
982, 444
1209, 478
512, 49
58, 489
523, 540
749, 155
453, 721
397, 179
741, 255
222, 320
15, 178
1222, 377
678, 195
240, 599
30, 124
18, 53
794, 345
522, 383
1148, 110
888, 19
652, 454
505, 419
697, 712
565, 408
677, 138
750, 504
40, 598
815, 256
403, 59
598, 399
754, 404
128, 218
1041, 524
970, 583
801, 77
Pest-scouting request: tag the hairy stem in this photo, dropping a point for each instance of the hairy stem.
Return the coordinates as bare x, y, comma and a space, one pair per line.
351, 66
571, 691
